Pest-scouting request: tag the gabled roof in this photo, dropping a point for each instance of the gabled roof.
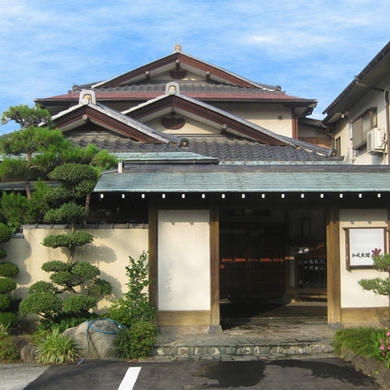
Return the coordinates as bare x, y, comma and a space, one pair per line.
112, 120
214, 84
238, 139
375, 71
180, 62
174, 101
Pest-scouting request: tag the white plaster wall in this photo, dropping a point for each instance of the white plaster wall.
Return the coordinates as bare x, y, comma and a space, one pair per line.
373, 98
352, 294
109, 251
191, 127
183, 260
275, 118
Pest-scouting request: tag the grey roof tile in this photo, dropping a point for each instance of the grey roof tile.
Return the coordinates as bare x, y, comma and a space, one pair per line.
241, 178
220, 147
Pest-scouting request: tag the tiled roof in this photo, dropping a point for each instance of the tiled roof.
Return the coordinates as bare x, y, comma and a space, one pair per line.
220, 147
197, 90
242, 178
375, 71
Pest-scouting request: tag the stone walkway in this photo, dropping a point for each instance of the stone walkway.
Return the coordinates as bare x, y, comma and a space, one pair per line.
271, 339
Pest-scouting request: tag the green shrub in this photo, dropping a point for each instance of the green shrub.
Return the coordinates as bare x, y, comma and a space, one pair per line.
8, 318
55, 348
5, 302
100, 287
134, 306
3, 253
381, 341
67, 212
356, 340
7, 285
8, 269
8, 351
137, 341
63, 278
68, 240
42, 287
85, 270
79, 304
70, 322
5, 233
56, 266
46, 305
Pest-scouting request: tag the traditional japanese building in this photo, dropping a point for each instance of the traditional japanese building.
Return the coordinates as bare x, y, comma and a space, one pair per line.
242, 195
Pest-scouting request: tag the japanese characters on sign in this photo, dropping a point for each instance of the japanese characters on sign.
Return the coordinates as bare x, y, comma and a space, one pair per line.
360, 243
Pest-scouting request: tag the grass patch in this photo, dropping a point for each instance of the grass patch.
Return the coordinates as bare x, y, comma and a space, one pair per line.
357, 340
55, 348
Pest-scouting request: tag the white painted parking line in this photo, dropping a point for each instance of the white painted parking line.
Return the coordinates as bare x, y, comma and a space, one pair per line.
130, 378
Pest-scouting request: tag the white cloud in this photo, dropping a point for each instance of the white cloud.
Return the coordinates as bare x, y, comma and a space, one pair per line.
313, 49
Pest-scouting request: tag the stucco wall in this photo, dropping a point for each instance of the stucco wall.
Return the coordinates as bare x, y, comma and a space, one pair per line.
352, 294
183, 260
276, 118
109, 251
373, 98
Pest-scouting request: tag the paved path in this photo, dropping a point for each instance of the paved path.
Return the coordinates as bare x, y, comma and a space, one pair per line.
303, 374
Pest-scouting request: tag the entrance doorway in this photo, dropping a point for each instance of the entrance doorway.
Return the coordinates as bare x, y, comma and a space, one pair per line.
252, 262
272, 265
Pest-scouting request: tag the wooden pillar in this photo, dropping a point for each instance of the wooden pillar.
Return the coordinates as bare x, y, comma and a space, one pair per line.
333, 265
214, 264
153, 270
294, 120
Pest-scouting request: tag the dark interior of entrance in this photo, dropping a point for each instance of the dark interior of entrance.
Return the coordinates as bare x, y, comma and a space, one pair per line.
270, 258
252, 262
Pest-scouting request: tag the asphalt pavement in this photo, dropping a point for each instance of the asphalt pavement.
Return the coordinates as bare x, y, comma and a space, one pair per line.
311, 373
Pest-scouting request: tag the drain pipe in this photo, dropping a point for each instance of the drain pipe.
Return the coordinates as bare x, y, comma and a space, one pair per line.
387, 125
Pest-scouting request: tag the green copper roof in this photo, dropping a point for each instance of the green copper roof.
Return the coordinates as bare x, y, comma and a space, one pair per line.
193, 179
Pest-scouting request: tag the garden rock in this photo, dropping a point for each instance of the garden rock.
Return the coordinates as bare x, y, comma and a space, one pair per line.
25, 347
27, 353
95, 339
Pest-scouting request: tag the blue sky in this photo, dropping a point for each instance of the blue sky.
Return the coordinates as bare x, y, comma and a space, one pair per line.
313, 49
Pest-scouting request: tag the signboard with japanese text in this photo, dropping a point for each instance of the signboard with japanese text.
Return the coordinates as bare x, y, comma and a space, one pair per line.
360, 242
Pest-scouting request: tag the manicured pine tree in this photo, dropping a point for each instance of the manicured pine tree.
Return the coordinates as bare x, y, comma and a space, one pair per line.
7, 284
33, 150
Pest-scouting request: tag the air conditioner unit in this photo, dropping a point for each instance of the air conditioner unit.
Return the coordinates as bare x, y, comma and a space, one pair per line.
376, 141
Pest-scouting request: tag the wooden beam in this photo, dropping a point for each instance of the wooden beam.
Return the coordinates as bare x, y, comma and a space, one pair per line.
333, 265
365, 315
184, 318
214, 264
153, 256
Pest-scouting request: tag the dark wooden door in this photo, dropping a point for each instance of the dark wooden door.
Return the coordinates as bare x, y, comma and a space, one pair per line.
252, 262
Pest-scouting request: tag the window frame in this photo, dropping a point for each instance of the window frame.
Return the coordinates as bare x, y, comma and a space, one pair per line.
365, 122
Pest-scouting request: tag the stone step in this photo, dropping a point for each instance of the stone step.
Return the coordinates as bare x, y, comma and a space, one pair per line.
253, 350
242, 321
262, 341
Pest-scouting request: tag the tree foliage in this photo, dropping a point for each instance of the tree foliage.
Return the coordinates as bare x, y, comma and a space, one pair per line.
70, 241
62, 297
7, 284
134, 306
66, 213
37, 151
17, 210
379, 285
26, 116
34, 149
